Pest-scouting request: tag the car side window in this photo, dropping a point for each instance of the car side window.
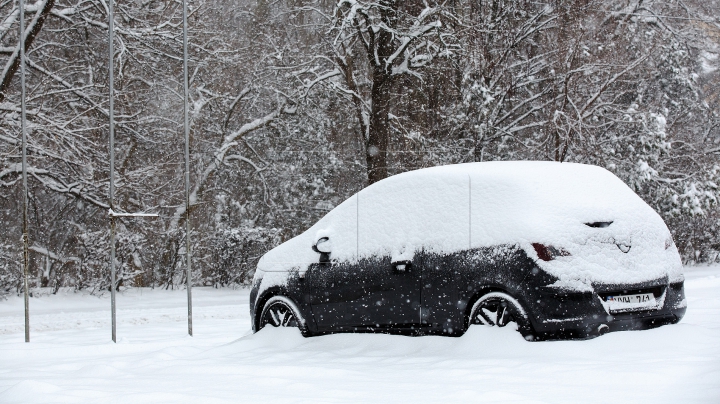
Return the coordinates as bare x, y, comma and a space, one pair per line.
402, 214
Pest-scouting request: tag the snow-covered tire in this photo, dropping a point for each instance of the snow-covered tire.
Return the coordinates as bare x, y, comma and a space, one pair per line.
280, 311
498, 309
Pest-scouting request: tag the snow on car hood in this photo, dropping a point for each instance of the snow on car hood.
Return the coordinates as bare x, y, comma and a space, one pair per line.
452, 208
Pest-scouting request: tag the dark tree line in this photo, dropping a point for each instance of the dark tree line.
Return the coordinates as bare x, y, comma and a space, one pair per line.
297, 104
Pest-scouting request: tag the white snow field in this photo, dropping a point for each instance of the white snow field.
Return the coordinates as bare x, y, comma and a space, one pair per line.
72, 360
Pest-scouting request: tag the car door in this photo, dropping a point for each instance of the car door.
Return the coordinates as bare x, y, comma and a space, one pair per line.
390, 293
440, 300
419, 218
328, 290
395, 219
374, 293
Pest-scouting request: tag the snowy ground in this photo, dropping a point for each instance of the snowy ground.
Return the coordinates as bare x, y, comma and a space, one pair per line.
71, 358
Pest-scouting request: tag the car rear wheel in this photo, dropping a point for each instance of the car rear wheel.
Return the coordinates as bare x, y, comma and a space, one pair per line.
279, 311
498, 309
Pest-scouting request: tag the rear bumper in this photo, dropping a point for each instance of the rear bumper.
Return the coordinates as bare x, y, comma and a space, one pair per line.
583, 315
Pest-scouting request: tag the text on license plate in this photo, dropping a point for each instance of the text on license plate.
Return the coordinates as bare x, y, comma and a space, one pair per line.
632, 299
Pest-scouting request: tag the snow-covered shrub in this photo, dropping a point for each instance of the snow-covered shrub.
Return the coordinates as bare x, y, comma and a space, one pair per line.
235, 254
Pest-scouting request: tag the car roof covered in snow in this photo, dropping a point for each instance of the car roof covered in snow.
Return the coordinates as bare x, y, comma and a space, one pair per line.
451, 208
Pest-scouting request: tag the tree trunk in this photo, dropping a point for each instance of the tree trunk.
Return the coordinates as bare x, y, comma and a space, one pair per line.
14, 63
379, 133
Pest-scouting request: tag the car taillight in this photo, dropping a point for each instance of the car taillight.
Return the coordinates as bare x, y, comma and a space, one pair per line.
548, 252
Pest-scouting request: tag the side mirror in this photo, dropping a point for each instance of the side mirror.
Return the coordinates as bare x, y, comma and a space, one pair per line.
322, 246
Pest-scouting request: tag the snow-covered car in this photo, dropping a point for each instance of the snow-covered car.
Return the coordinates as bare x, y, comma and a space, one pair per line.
559, 249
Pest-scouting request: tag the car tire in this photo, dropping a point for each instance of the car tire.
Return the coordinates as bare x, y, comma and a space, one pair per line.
280, 311
498, 309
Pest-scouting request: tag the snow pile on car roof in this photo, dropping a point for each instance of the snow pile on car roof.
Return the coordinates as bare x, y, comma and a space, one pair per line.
452, 208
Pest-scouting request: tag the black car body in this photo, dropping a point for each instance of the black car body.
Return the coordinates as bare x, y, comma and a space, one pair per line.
430, 251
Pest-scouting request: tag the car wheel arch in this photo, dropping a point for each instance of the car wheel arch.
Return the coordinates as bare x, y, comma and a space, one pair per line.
494, 288
262, 300
294, 309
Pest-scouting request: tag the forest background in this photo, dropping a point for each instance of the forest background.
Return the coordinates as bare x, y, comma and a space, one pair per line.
297, 104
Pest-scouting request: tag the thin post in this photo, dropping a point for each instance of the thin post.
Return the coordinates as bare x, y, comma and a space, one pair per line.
188, 256
23, 129
469, 212
111, 114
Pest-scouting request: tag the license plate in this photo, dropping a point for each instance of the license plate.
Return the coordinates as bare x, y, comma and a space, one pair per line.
629, 302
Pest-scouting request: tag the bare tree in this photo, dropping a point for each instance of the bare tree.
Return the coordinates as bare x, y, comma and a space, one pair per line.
372, 46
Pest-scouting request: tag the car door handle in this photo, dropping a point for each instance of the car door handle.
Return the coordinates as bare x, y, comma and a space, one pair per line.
402, 266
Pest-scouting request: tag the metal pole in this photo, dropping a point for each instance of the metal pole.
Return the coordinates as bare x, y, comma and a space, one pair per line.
111, 114
188, 256
23, 129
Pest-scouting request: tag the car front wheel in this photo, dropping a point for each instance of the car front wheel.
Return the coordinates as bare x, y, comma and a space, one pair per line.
279, 311
500, 309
